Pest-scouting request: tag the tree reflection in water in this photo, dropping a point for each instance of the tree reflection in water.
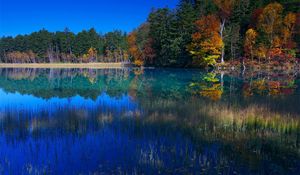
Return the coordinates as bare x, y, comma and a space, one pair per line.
148, 121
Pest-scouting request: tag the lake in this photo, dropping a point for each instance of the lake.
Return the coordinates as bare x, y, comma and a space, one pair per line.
150, 121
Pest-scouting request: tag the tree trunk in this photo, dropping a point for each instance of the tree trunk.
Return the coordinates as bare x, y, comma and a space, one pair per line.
222, 27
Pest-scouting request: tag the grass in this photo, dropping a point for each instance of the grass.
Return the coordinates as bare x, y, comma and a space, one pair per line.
200, 114
253, 118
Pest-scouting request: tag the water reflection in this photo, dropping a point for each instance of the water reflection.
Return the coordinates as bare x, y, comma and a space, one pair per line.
15, 104
71, 121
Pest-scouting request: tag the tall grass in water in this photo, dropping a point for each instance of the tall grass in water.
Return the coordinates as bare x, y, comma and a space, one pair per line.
252, 117
222, 117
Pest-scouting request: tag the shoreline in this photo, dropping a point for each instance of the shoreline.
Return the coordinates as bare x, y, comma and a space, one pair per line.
120, 65
65, 65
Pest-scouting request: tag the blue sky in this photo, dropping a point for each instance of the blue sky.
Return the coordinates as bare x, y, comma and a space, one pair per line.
26, 16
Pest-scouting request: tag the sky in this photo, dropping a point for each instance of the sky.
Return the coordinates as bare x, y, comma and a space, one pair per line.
26, 16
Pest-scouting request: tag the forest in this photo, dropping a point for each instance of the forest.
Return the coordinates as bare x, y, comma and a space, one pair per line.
197, 33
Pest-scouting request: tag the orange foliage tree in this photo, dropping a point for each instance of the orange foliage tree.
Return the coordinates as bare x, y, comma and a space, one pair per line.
206, 43
134, 51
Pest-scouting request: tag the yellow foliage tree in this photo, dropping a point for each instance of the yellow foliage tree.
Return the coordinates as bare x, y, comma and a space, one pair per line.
277, 32
207, 44
92, 53
261, 52
270, 21
250, 41
288, 29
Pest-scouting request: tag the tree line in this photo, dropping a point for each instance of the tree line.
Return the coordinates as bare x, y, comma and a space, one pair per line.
44, 46
207, 32
195, 33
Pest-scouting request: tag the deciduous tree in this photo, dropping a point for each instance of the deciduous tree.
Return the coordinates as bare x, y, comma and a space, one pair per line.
133, 49
288, 30
250, 41
270, 22
206, 43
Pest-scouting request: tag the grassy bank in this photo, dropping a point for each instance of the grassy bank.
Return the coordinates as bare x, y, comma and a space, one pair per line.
65, 65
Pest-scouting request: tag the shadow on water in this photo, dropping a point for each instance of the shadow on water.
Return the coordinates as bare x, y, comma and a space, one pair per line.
151, 121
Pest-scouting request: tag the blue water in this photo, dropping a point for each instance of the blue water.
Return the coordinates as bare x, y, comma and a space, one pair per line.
153, 121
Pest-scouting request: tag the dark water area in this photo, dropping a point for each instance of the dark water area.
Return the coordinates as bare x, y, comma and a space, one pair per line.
151, 121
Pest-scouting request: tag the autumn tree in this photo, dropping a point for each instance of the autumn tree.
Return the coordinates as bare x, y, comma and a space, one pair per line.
141, 46
133, 49
206, 46
250, 41
92, 54
288, 30
270, 22
277, 32
261, 52
225, 11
